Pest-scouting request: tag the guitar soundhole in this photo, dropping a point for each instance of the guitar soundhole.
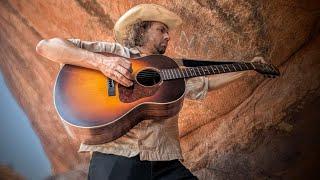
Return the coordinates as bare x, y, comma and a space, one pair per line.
148, 77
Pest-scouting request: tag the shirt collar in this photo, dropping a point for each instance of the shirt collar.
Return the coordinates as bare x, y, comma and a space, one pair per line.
134, 50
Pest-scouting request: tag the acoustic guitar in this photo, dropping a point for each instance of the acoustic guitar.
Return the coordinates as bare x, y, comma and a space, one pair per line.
95, 109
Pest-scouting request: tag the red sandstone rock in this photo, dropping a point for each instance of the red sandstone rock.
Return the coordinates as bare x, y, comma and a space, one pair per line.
222, 136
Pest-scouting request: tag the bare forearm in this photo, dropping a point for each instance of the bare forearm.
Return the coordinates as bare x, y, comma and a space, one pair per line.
220, 80
63, 51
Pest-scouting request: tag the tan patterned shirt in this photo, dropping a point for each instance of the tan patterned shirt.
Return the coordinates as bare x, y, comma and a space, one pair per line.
154, 140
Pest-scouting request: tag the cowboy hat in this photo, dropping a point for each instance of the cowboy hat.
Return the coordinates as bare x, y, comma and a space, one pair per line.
145, 12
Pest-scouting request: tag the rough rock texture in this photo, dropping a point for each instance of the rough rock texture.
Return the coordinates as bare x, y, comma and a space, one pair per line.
252, 128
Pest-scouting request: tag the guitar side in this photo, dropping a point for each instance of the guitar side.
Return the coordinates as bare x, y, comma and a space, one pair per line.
90, 115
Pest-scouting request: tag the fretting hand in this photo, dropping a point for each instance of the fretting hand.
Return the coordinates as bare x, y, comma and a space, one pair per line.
259, 59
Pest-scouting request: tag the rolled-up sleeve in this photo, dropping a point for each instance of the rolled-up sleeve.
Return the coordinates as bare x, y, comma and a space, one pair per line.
101, 46
197, 88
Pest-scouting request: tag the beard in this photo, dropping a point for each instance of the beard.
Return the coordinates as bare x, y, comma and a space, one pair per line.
161, 48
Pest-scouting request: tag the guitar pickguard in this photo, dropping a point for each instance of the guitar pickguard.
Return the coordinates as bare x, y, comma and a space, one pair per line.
136, 92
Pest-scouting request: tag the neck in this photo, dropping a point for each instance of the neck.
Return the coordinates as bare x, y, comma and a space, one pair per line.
145, 50
176, 73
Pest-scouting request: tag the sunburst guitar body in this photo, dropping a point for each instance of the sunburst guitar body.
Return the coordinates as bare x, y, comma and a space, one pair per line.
96, 110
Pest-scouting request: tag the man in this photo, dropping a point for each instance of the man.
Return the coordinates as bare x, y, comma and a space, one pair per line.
151, 149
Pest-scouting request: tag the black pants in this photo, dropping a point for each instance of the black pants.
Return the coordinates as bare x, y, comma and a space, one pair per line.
113, 167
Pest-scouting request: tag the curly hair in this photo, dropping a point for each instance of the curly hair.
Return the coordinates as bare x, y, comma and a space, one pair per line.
135, 33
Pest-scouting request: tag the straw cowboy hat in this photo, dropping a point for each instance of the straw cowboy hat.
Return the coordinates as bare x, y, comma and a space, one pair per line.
145, 12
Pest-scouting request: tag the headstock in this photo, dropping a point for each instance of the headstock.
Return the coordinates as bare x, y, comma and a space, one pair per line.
268, 70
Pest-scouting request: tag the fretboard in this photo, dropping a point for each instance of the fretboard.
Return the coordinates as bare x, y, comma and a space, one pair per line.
176, 73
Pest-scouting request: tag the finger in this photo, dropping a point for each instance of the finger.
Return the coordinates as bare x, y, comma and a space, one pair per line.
126, 64
258, 59
116, 76
124, 72
122, 80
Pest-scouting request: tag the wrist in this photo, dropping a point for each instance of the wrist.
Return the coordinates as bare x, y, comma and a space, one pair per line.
94, 59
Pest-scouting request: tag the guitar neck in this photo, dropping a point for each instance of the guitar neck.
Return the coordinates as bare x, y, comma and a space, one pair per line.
177, 73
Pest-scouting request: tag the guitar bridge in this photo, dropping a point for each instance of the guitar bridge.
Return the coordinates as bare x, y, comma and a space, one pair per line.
111, 88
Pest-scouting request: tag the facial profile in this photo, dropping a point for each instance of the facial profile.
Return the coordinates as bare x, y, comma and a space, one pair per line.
157, 38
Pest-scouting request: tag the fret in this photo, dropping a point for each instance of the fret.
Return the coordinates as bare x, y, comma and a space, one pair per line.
168, 73
165, 75
199, 71
250, 65
225, 68
174, 72
183, 73
204, 73
254, 67
246, 65
173, 75
228, 67
170, 76
221, 68
218, 69
190, 72
264, 67
234, 67
215, 69
206, 68
212, 69
273, 68
240, 68
179, 73
195, 72
187, 72
269, 68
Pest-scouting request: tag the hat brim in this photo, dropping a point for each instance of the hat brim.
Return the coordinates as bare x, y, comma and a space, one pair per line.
145, 12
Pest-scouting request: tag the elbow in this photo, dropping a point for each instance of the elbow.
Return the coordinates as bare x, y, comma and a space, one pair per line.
44, 46
41, 46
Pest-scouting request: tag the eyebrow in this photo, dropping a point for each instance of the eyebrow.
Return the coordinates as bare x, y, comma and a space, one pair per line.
164, 27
